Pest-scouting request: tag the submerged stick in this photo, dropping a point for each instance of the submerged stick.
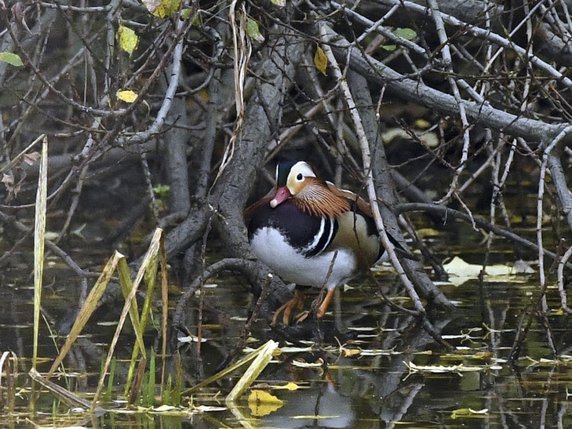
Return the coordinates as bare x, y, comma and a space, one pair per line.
65, 395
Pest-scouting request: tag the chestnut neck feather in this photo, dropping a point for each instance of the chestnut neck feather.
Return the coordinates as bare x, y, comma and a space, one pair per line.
317, 199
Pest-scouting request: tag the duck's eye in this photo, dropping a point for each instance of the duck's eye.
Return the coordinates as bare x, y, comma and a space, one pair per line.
299, 177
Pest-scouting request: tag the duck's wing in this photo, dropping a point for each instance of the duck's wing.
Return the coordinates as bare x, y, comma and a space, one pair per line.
355, 200
364, 208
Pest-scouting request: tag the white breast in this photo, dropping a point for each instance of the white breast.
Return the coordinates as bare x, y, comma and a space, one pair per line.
292, 266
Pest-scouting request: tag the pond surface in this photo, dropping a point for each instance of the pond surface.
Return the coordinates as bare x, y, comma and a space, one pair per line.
376, 367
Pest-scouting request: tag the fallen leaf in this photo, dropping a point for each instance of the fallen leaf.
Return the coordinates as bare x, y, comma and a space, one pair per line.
442, 369
164, 408
262, 403
461, 271
287, 386
350, 352
468, 412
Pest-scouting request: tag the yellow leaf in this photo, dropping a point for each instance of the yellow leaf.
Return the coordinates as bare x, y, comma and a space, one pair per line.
557, 312
350, 352
262, 403
166, 8
128, 40
292, 386
126, 95
287, 386
320, 60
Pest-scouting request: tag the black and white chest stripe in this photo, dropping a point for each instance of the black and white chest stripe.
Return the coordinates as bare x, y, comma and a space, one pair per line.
322, 238
308, 235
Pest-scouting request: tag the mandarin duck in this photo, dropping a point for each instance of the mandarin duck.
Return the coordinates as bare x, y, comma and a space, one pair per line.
312, 234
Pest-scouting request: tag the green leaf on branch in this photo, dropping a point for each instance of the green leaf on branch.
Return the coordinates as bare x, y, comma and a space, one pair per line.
11, 58
253, 30
404, 33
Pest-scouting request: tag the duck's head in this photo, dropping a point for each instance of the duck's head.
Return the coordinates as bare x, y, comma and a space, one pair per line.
291, 178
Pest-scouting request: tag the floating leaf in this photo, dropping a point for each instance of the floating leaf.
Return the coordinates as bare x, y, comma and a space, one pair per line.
128, 40
208, 408
291, 386
350, 352
126, 95
557, 312
262, 403
279, 3
468, 413
443, 369
460, 271
287, 386
522, 267
11, 58
164, 408
191, 339
320, 60
253, 30
301, 364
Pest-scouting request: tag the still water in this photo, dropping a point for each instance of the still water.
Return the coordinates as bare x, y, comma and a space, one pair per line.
375, 367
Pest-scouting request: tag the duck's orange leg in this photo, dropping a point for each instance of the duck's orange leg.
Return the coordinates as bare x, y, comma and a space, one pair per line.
296, 303
325, 303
